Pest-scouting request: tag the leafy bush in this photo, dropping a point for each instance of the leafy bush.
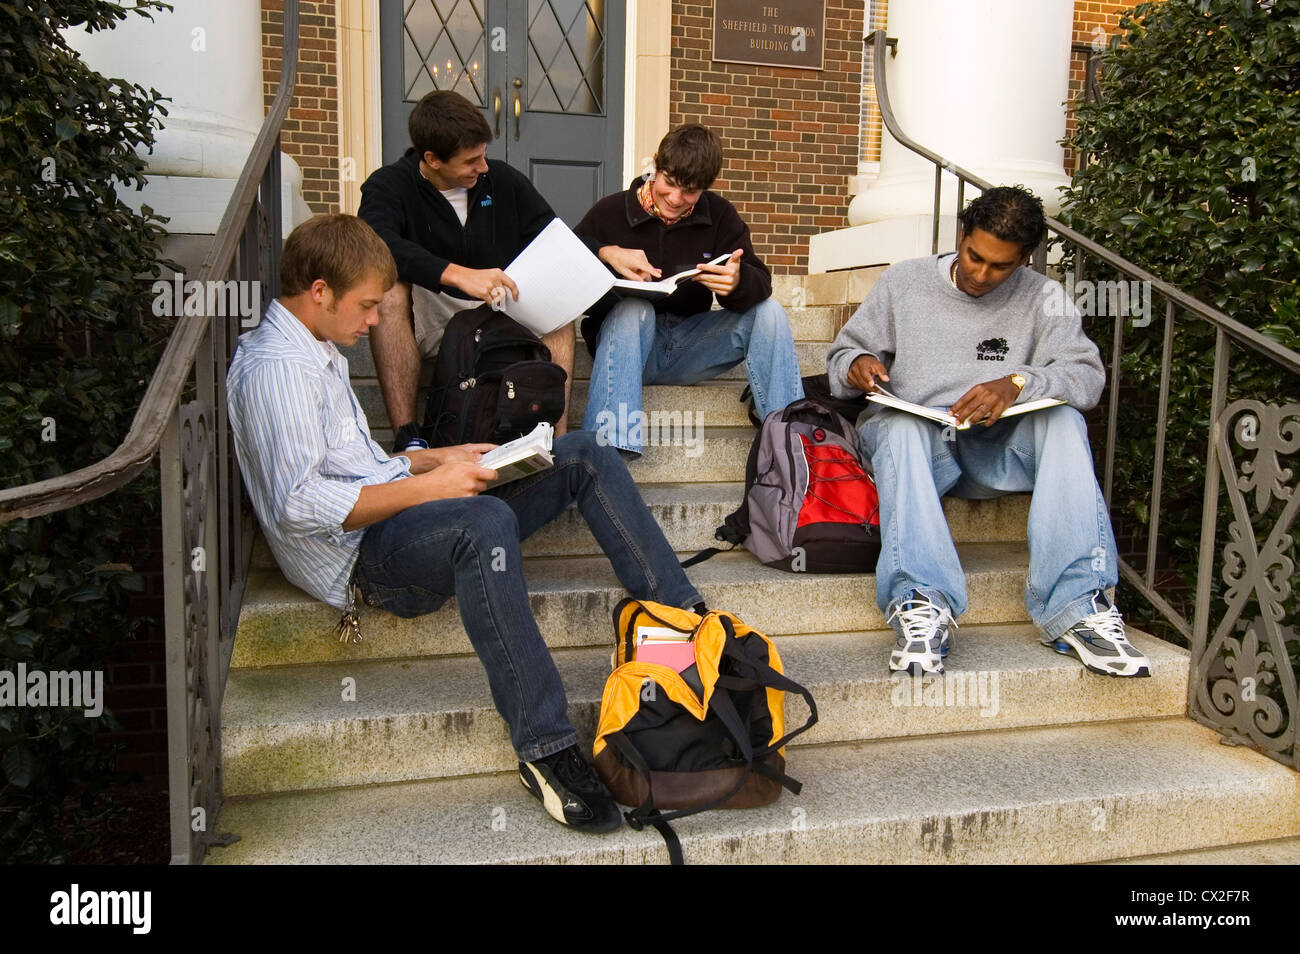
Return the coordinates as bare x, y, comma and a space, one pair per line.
76, 350
1196, 162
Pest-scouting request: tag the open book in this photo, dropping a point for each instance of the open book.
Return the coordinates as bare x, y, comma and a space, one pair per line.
663, 286
942, 417
521, 457
559, 279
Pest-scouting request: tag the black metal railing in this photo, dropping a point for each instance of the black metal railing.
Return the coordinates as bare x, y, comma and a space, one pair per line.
1228, 672
207, 533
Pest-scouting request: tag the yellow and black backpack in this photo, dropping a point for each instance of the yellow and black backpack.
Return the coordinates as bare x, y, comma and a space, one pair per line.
713, 736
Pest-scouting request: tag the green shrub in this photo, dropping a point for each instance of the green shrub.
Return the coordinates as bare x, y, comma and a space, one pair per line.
77, 347
1195, 170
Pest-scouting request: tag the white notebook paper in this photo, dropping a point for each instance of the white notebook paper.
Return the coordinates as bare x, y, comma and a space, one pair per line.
559, 279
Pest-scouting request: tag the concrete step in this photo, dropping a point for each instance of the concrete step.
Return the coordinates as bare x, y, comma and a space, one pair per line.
288, 728
693, 406
1280, 851
1057, 795
812, 360
708, 455
818, 323
573, 599
689, 513
676, 454
712, 403
812, 324
848, 286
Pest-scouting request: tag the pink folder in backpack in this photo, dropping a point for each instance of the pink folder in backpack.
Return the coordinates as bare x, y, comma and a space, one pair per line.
676, 655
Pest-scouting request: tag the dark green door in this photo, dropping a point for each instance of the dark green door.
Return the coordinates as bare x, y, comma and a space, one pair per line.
548, 75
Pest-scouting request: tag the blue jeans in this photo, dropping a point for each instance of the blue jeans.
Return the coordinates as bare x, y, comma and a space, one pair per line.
635, 347
1071, 546
411, 563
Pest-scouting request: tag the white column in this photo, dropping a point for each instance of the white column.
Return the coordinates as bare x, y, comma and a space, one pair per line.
982, 83
206, 55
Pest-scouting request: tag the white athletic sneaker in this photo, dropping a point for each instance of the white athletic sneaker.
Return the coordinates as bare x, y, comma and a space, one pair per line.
1099, 641
924, 633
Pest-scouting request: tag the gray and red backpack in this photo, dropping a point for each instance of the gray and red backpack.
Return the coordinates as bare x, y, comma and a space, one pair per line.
810, 505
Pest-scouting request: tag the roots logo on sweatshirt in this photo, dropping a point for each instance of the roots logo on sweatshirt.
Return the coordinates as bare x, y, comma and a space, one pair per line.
992, 349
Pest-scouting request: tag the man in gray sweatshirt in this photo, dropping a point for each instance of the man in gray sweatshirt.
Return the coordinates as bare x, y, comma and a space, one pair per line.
974, 333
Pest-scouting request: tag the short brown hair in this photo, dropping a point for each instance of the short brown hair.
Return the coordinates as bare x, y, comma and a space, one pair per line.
690, 154
340, 249
444, 123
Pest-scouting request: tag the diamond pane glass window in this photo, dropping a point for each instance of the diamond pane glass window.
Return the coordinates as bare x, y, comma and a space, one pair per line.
442, 48
566, 56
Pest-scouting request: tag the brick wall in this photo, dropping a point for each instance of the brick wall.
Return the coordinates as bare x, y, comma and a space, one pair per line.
136, 684
311, 130
1090, 16
790, 137
767, 116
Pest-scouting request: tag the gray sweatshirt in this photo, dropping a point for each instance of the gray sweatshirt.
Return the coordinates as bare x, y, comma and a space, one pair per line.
938, 342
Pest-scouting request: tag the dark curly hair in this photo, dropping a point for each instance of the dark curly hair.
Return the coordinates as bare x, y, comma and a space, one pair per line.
1011, 213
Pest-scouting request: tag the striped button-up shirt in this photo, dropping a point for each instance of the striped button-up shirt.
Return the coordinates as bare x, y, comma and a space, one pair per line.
305, 450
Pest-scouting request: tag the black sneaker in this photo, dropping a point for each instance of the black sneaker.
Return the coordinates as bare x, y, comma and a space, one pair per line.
408, 438
571, 792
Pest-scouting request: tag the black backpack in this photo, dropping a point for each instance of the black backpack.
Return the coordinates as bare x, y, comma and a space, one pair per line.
493, 381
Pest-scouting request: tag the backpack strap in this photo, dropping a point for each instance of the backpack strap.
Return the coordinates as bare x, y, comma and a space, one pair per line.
747, 398
646, 812
765, 676
709, 553
735, 528
721, 704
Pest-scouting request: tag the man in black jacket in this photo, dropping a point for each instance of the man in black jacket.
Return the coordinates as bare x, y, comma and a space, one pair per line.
666, 224
453, 220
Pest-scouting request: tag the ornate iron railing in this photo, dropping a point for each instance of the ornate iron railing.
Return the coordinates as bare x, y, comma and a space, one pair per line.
207, 534
1242, 681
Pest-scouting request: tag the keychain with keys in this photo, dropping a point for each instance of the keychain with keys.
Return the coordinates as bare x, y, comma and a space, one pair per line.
349, 627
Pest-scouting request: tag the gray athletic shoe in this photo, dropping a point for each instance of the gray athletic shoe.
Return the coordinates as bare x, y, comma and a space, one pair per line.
1100, 643
924, 631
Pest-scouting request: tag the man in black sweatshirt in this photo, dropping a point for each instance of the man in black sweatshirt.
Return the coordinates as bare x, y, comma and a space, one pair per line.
453, 220
666, 224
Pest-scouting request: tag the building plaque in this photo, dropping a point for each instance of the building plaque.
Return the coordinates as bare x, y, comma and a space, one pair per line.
770, 33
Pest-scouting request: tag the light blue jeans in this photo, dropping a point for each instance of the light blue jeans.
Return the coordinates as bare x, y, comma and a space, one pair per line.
1071, 545
636, 347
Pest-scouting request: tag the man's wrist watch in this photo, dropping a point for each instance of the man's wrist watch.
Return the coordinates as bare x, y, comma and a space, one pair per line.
1019, 381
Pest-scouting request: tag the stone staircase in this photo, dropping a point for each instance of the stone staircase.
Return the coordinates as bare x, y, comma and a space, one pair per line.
1018, 755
